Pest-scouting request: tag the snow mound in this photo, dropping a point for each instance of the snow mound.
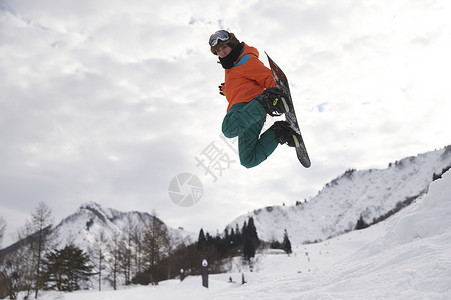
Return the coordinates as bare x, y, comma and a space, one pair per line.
411, 260
426, 218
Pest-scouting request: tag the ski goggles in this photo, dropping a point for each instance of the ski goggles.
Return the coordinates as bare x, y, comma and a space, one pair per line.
221, 35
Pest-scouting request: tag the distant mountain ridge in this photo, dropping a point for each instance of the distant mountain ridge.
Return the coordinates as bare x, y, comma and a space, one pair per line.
367, 195
84, 226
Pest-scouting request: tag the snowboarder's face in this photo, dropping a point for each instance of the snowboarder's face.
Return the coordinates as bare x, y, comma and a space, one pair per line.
224, 51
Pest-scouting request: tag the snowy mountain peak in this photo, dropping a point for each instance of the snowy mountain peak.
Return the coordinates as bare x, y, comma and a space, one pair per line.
85, 225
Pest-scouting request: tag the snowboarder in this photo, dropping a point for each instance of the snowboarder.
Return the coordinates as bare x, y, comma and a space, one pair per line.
250, 89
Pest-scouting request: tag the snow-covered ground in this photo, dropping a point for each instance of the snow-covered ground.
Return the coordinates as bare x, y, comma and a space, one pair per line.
406, 257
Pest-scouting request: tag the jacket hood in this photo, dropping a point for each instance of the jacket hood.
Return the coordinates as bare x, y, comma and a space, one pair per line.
249, 50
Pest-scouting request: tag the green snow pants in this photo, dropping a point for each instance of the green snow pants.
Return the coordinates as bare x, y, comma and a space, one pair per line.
245, 121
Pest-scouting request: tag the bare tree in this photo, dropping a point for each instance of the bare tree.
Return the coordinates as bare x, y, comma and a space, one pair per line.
155, 236
151, 242
2, 229
3, 288
138, 239
126, 250
167, 248
40, 226
97, 254
114, 260
17, 267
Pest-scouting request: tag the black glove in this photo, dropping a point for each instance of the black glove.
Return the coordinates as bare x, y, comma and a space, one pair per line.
220, 89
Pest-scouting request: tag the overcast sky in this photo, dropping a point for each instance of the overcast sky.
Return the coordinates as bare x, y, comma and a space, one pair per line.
108, 101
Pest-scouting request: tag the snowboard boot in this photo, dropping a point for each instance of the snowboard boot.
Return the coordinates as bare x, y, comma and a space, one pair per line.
285, 134
275, 102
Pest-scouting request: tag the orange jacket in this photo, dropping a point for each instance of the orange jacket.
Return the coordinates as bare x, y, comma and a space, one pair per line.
248, 78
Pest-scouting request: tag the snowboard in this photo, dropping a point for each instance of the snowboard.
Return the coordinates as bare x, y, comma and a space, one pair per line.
282, 83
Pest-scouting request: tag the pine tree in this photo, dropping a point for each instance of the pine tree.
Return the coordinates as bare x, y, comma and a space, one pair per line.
248, 249
232, 240
252, 232
250, 239
286, 244
361, 224
202, 240
251, 229
244, 229
67, 268
238, 238
209, 239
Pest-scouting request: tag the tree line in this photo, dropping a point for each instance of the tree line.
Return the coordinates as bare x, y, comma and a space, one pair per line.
21, 270
218, 249
144, 253
36, 262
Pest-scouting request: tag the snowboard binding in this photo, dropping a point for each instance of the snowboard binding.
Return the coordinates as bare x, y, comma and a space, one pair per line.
275, 101
285, 134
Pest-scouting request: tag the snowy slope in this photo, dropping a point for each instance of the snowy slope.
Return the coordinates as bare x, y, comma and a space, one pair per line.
405, 257
340, 204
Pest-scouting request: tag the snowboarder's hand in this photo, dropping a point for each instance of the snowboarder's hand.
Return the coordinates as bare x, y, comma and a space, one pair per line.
220, 89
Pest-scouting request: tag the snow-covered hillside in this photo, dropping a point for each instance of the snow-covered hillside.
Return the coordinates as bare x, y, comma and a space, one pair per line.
404, 257
83, 227
369, 194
